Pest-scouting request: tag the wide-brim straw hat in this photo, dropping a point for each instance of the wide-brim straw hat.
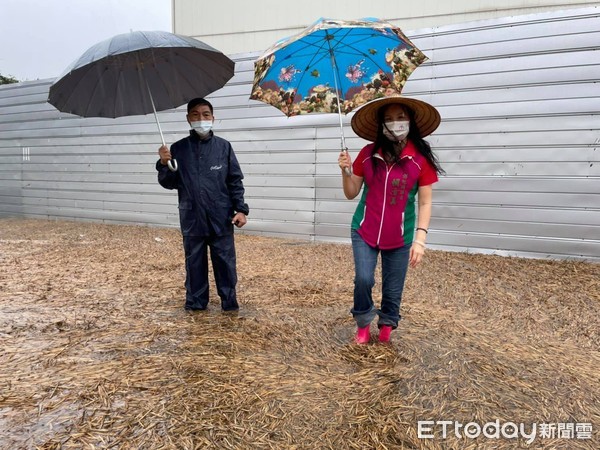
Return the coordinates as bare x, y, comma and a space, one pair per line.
364, 122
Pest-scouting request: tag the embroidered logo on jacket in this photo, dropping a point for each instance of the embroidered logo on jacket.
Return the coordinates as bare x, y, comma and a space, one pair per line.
216, 167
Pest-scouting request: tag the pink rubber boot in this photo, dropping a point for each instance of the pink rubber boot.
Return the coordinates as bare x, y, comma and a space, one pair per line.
384, 333
362, 335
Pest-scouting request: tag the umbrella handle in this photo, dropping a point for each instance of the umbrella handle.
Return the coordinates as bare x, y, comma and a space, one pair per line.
347, 170
172, 167
171, 164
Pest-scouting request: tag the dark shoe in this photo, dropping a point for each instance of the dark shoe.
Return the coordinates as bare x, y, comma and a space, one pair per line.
193, 308
230, 305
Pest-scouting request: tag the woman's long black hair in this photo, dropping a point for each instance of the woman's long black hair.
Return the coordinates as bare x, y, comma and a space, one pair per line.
387, 146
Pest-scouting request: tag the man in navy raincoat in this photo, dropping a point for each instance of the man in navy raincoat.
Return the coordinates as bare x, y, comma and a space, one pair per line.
211, 200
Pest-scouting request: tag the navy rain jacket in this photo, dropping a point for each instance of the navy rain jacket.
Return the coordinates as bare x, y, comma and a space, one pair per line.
208, 182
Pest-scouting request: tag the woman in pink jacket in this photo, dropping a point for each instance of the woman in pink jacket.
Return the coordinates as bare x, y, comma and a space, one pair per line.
397, 167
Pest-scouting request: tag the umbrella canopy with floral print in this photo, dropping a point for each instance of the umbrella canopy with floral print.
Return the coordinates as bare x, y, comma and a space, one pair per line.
334, 66
335, 62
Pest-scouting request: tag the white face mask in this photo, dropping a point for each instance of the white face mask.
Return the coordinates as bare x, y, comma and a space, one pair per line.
202, 127
396, 131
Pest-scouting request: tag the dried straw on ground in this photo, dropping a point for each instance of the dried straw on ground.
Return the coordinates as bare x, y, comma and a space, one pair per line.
96, 350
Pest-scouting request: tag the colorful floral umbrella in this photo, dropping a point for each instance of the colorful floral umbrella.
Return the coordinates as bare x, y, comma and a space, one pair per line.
333, 63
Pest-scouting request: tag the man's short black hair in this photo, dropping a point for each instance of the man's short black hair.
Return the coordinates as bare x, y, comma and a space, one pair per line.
198, 101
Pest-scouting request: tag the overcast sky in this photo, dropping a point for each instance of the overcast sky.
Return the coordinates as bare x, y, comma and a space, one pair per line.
40, 38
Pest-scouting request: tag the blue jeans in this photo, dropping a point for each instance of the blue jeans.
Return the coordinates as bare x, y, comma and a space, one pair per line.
394, 265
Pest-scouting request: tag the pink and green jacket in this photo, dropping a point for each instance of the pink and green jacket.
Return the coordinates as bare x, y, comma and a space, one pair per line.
385, 216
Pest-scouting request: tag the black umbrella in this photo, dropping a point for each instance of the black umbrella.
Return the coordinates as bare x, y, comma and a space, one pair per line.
139, 73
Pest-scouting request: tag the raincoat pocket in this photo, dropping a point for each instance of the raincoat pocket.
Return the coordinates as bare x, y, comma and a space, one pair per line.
185, 205
186, 217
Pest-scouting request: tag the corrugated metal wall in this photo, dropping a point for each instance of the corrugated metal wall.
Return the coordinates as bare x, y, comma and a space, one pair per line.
520, 104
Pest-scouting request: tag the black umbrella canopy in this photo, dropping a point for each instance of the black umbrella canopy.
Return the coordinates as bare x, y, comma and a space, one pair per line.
123, 75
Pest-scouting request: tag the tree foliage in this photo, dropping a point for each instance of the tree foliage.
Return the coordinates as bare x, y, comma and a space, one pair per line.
7, 80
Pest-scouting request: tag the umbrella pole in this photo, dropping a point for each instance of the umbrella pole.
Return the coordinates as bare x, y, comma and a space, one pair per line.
347, 170
171, 163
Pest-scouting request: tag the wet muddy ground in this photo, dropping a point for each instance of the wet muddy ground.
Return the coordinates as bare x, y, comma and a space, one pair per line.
96, 350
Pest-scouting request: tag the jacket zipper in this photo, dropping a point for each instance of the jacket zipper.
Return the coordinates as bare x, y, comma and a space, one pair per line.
385, 194
384, 201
